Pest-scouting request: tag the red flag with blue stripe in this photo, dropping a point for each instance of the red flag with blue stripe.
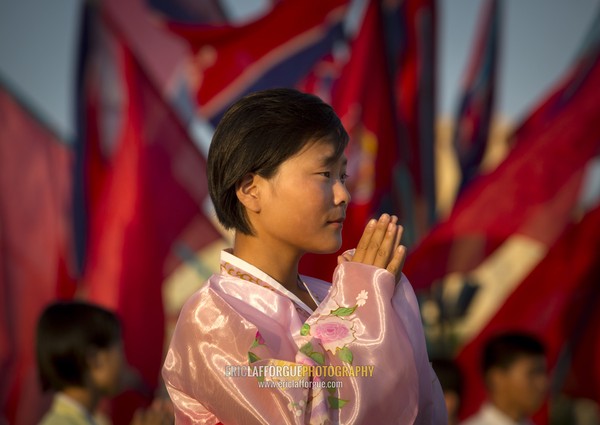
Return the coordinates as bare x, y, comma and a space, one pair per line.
475, 113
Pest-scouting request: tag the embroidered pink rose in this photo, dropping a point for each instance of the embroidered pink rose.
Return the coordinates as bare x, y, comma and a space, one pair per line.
333, 332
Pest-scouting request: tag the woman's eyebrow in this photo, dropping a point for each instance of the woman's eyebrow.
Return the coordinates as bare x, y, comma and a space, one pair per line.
331, 160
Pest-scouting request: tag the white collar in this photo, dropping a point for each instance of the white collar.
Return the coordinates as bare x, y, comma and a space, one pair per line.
495, 416
227, 256
74, 405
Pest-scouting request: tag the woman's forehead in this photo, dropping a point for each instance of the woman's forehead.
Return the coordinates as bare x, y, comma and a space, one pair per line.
323, 151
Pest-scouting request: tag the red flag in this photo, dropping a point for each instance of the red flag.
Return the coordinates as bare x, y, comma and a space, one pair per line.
474, 118
524, 241
35, 248
533, 193
276, 50
558, 303
145, 186
410, 27
557, 299
207, 11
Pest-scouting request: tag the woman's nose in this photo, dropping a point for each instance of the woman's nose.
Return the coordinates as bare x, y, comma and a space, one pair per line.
341, 194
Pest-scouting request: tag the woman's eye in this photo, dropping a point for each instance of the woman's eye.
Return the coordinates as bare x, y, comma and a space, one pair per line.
327, 174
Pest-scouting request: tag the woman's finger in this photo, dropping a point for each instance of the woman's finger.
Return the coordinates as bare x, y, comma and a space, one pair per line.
365, 239
399, 231
397, 262
377, 239
344, 258
386, 249
398, 236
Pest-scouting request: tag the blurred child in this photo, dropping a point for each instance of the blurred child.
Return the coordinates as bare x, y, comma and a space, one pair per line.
276, 175
514, 369
80, 357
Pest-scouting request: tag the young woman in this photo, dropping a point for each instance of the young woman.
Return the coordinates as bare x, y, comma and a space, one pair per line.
259, 344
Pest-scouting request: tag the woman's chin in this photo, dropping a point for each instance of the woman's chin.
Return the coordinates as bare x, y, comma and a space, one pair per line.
330, 248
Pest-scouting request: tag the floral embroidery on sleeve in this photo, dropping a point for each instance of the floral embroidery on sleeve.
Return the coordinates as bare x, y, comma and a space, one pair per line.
258, 341
336, 330
361, 298
297, 408
333, 331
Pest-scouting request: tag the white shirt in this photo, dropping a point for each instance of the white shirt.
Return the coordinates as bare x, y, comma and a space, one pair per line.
66, 411
490, 415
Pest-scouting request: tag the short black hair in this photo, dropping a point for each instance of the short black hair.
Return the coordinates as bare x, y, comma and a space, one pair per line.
256, 135
503, 349
68, 332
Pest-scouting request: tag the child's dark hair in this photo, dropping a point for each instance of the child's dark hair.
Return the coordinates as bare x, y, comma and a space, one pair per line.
68, 333
256, 135
502, 350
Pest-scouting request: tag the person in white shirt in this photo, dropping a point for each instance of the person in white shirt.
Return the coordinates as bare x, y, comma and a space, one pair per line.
514, 369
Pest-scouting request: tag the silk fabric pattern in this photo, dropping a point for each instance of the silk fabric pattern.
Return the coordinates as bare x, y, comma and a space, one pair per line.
242, 317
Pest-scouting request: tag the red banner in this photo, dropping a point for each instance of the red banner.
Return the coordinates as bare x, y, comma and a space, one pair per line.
36, 253
144, 192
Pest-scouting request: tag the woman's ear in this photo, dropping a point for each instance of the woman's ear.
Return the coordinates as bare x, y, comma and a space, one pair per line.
247, 191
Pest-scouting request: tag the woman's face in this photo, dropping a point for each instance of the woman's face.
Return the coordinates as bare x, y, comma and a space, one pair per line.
303, 206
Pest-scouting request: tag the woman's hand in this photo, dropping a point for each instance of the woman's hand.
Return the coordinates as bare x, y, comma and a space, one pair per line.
380, 246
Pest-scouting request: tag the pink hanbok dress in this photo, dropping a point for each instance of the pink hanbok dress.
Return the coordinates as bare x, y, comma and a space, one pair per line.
247, 351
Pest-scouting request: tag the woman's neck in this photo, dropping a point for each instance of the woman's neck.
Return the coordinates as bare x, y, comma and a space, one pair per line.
279, 263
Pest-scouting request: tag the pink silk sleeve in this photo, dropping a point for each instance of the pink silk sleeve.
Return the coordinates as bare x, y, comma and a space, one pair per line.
365, 338
432, 406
